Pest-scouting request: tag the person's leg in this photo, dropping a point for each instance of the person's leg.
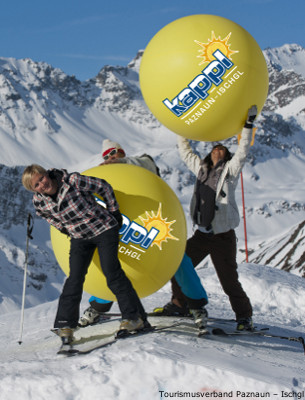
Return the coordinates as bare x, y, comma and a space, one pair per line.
128, 300
190, 284
193, 291
178, 299
81, 252
196, 250
100, 305
223, 254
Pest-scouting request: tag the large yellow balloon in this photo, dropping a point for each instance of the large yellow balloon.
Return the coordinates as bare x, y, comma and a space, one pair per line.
200, 74
152, 238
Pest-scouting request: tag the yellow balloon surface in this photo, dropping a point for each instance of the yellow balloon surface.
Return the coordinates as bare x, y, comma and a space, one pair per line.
200, 74
152, 238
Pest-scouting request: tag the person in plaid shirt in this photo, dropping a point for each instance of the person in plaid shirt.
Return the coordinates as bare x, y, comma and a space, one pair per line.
186, 277
68, 203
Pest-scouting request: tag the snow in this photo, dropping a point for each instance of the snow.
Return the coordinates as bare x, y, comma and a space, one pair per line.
166, 364
290, 57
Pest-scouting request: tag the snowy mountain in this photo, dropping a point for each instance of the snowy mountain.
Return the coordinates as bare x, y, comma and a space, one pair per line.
53, 119
288, 57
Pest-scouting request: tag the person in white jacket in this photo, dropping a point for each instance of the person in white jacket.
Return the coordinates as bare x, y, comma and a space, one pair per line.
113, 152
215, 212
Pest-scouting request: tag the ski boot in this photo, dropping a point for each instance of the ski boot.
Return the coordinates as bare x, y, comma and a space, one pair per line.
171, 310
67, 338
130, 326
200, 317
245, 324
66, 335
89, 317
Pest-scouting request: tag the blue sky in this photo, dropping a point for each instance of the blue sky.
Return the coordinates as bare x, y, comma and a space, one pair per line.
80, 37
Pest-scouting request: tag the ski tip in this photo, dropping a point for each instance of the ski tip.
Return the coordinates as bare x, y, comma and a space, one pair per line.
68, 353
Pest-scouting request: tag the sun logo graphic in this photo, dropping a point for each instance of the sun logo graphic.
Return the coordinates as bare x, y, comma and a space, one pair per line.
208, 49
153, 230
157, 222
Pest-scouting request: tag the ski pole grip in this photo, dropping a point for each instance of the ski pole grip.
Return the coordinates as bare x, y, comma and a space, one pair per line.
30, 226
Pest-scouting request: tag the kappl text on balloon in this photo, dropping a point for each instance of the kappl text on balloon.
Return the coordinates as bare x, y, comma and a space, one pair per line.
133, 232
198, 88
137, 234
202, 108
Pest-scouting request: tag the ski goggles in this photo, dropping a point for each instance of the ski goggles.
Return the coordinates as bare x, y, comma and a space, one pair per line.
111, 153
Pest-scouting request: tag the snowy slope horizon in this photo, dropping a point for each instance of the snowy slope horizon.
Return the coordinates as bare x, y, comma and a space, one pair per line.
51, 118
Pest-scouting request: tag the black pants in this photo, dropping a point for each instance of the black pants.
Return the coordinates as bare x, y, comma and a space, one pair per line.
81, 253
222, 250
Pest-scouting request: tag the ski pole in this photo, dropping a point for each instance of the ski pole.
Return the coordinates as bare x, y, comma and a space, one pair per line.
30, 225
244, 215
243, 196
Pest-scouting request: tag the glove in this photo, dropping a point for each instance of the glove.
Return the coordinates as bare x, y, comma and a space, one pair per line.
118, 216
252, 113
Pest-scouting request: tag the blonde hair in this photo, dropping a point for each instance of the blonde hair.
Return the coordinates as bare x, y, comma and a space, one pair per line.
28, 174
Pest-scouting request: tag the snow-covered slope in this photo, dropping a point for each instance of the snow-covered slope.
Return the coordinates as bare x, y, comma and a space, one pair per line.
169, 364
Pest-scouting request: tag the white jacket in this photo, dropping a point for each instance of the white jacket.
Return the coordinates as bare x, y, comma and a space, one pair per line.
143, 161
226, 212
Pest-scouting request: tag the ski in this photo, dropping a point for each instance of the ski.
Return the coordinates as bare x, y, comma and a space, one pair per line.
124, 333
109, 315
71, 349
260, 332
189, 317
67, 350
203, 332
159, 312
222, 332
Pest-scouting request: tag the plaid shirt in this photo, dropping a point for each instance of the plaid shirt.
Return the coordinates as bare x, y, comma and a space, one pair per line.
75, 210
